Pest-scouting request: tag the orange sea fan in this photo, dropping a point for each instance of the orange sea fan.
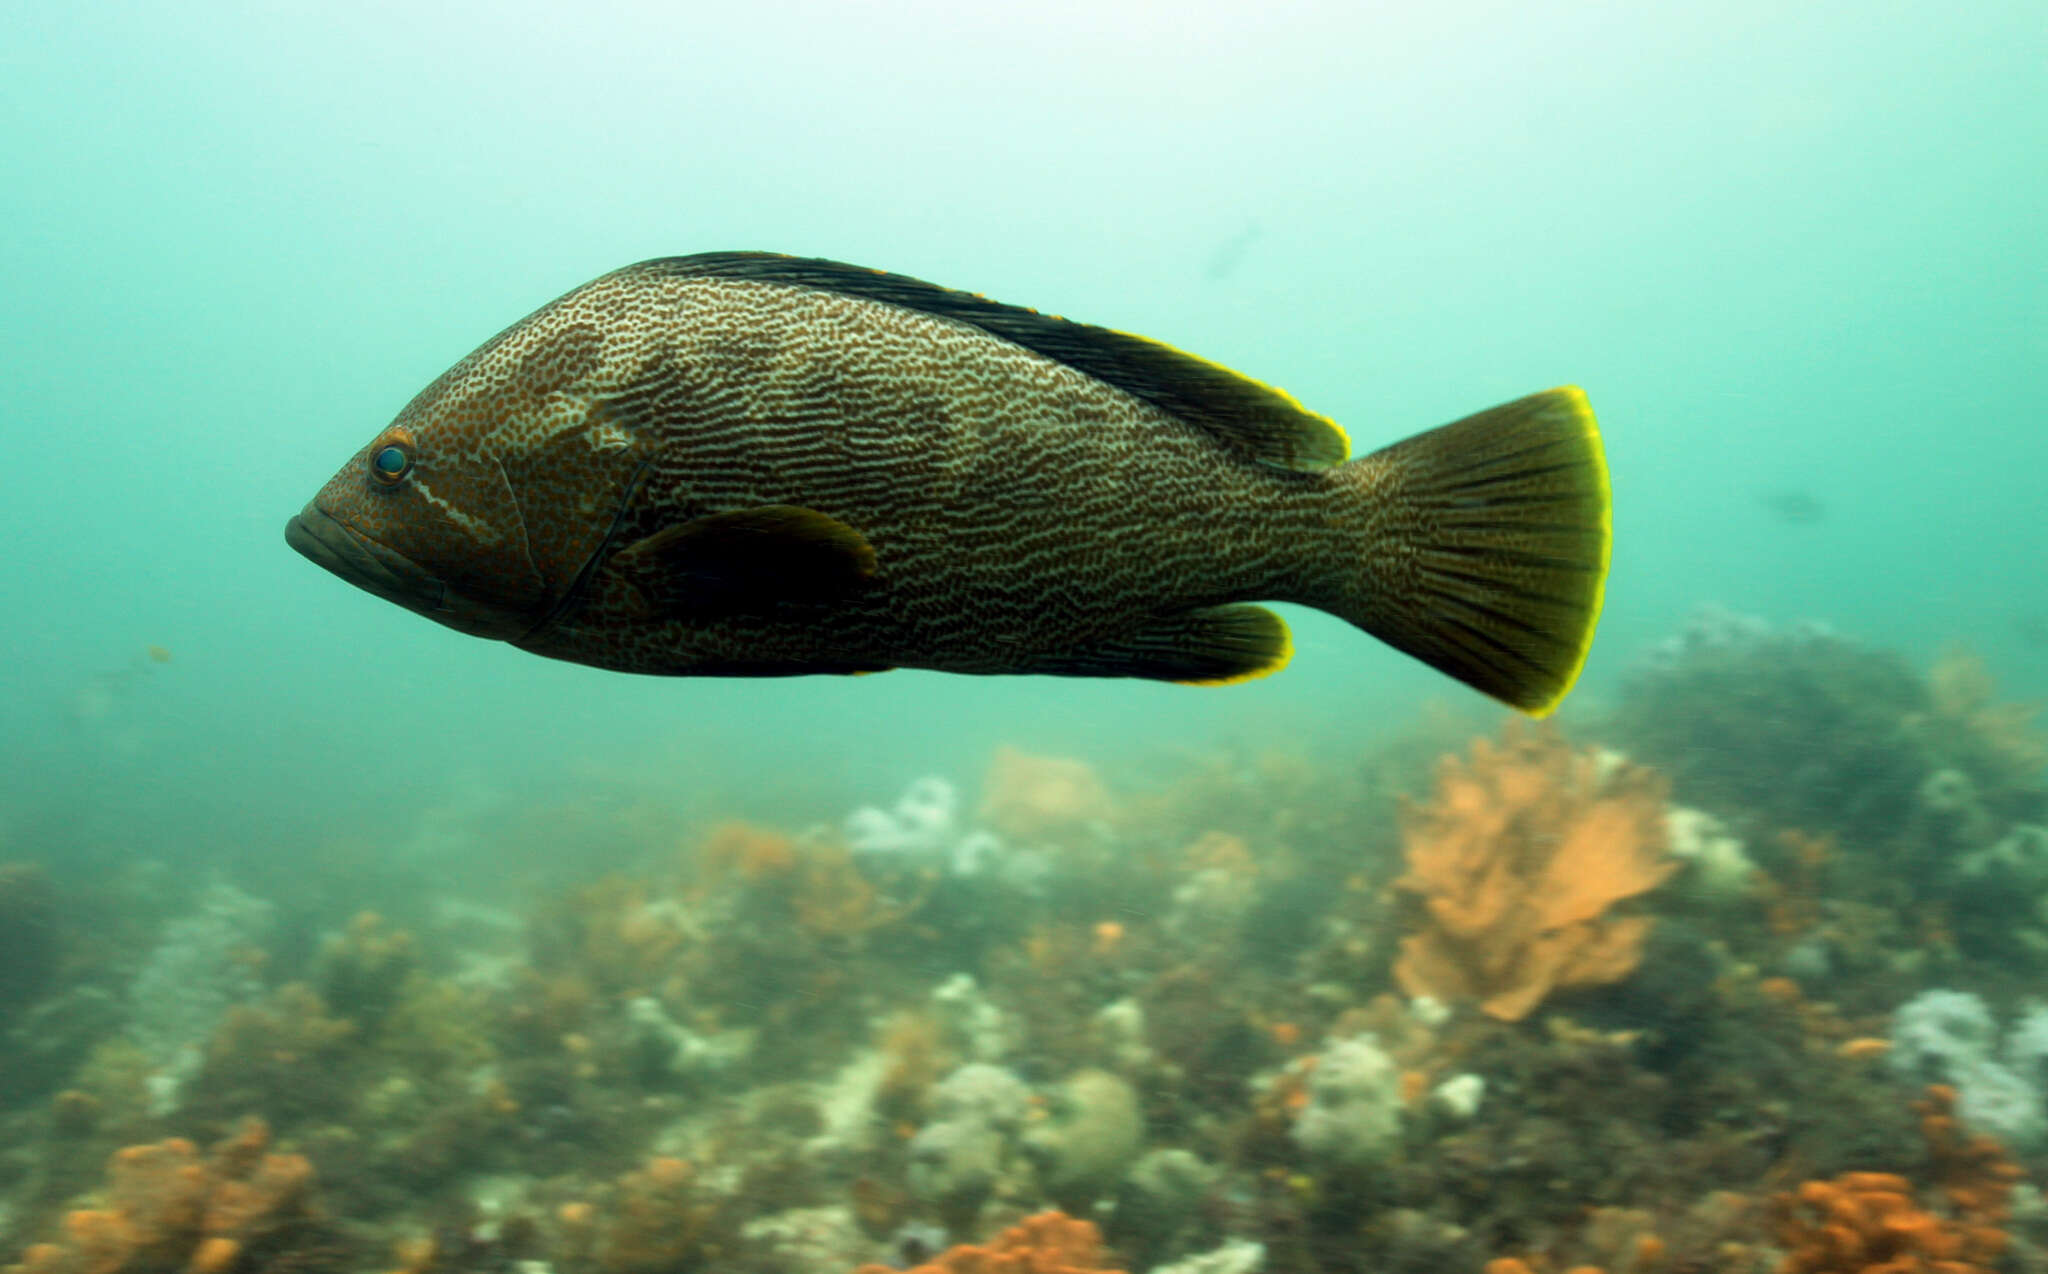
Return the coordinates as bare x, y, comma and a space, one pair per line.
1518, 859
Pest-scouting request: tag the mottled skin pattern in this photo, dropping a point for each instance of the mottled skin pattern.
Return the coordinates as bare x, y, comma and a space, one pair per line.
1024, 515
1017, 507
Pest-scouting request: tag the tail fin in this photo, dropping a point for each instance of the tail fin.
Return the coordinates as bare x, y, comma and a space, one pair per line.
1490, 547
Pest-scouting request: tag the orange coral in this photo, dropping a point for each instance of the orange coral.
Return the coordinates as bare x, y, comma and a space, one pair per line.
168, 1208
1624, 1239
830, 898
654, 1220
1792, 906
1871, 1222
1712, 1233
826, 895
1976, 1173
1518, 859
1032, 796
1109, 935
1049, 1243
1964, 701
1863, 1048
755, 853
617, 933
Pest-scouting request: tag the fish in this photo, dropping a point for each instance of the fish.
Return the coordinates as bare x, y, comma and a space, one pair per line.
752, 464
1793, 506
1229, 254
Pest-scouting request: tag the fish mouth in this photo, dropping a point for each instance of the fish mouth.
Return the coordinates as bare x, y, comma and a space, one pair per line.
327, 541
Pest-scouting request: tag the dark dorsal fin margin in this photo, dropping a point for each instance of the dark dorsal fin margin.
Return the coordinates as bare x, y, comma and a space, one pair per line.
1264, 423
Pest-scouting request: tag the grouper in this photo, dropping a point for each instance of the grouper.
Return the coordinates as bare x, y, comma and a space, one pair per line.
747, 464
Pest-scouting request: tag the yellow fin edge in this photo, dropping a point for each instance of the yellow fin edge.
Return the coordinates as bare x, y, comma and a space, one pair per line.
1582, 412
1280, 660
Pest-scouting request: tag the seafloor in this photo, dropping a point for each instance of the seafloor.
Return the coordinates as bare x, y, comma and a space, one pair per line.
1733, 977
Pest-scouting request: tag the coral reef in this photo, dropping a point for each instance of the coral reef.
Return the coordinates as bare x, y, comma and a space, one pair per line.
28, 935
1092, 1133
1239, 1256
1292, 1012
1352, 1111
1518, 861
1049, 1243
1035, 797
1952, 1038
1801, 728
363, 969
657, 1221
923, 825
1995, 741
205, 963
977, 1112
1869, 1223
1159, 1204
1778, 727
241, 1207
1873, 1223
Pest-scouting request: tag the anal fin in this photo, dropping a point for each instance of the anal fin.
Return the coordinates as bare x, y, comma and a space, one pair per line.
1212, 646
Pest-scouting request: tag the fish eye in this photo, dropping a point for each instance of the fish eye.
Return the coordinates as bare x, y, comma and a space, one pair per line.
390, 462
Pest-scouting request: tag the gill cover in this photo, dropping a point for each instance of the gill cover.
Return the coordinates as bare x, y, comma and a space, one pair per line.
481, 504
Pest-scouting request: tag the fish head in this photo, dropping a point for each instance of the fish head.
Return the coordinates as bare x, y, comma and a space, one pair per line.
482, 503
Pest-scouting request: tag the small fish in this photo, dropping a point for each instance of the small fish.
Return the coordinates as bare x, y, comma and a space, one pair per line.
1793, 506
744, 464
1229, 254
104, 691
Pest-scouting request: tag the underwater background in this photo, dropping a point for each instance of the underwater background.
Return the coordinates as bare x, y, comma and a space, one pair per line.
331, 939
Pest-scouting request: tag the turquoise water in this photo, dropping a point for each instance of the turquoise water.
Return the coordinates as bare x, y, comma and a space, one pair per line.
1795, 254
1784, 251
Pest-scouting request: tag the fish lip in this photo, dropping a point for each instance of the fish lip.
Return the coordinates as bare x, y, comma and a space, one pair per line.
328, 542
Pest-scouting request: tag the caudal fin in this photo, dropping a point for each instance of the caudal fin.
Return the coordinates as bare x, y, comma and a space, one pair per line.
1490, 547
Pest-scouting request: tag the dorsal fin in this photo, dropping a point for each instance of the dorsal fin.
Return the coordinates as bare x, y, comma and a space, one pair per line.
1262, 422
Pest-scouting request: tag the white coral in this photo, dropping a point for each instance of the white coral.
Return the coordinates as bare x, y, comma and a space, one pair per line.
196, 973
923, 823
1951, 1037
1238, 1256
1353, 1115
1721, 865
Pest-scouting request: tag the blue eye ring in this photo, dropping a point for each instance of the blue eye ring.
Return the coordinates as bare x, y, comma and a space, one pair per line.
391, 459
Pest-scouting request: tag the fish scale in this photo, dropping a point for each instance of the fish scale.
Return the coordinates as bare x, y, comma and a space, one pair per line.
872, 418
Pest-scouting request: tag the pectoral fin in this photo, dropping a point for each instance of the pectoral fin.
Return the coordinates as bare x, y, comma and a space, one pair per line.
749, 559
